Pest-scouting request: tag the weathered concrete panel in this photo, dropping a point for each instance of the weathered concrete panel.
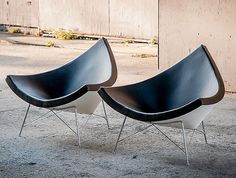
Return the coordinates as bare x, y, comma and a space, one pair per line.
88, 16
20, 12
186, 24
105, 17
3, 12
134, 18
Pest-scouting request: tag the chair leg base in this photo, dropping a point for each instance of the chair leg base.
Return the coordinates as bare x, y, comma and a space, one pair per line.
121, 129
105, 113
185, 149
185, 144
204, 132
23, 124
76, 121
104, 117
77, 126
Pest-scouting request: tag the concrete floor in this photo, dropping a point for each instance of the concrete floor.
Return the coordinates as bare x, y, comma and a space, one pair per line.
48, 149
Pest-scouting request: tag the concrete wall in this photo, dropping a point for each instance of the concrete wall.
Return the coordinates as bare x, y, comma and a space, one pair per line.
19, 12
134, 18
186, 24
89, 16
103, 17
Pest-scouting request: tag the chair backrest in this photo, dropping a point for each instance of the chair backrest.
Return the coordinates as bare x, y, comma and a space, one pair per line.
96, 67
194, 77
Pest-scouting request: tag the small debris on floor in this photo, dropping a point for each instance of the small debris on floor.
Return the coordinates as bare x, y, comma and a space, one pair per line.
135, 156
31, 163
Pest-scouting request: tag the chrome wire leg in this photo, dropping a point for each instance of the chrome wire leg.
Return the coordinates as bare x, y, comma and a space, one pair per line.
168, 137
105, 113
145, 128
191, 138
39, 118
24, 120
204, 132
64, 122
185, 150
185, 143
77, 126
87, 120
119, 134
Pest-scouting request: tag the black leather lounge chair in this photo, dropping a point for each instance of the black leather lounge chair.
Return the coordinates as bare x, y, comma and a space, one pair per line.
72, 87
181, 96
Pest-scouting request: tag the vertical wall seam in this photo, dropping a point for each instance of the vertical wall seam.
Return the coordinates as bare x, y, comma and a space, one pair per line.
109, 17
158, 34
38, 16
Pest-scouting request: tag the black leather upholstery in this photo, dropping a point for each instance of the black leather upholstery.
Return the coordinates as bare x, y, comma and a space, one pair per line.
88, 72
192, 82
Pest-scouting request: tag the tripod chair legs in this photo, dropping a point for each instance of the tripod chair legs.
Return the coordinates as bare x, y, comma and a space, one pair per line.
76, 121
184, 149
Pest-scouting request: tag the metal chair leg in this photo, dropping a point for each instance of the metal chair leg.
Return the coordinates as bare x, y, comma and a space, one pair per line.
77, 125
191, 138
24, 120
105, 113
204, 132
185, 143
168, 137
64, 122
119, 134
